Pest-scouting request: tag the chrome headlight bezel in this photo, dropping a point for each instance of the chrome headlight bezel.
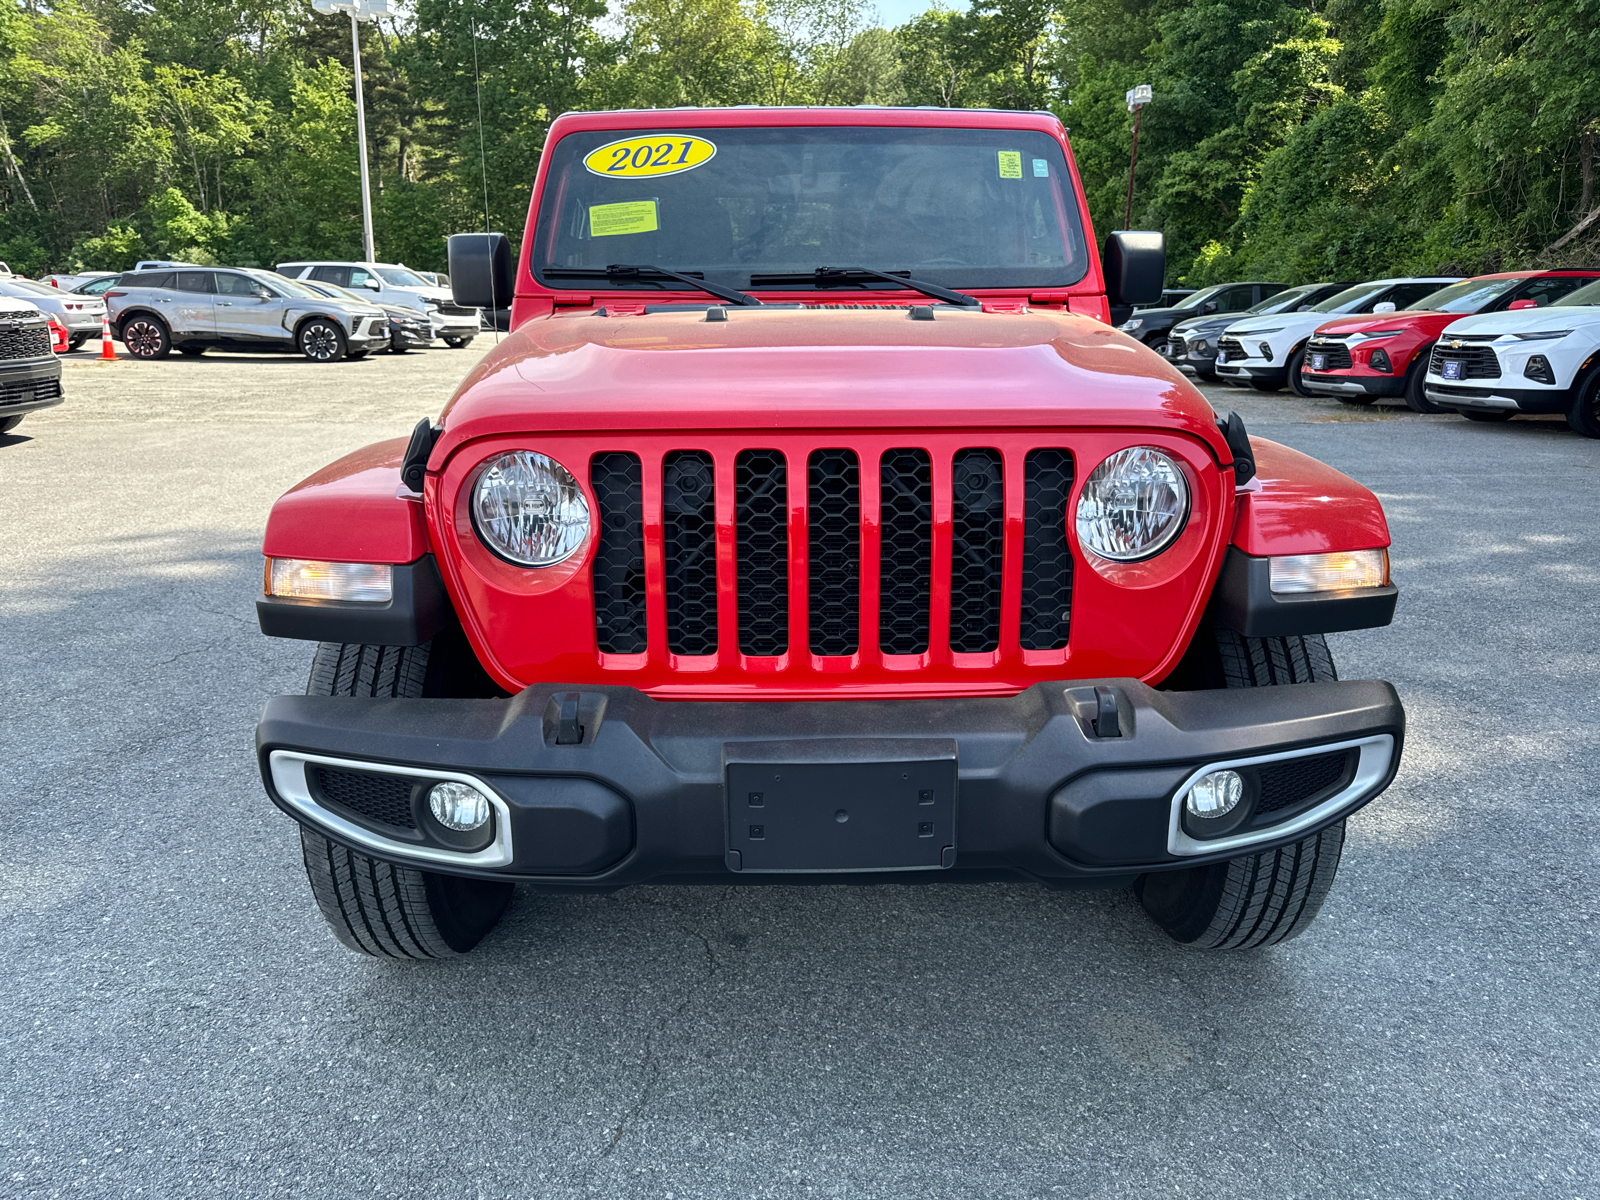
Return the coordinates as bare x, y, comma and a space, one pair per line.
496, 509
1096, 509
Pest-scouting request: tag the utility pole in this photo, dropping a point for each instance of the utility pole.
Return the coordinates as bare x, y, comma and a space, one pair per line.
1137, 98
359, 10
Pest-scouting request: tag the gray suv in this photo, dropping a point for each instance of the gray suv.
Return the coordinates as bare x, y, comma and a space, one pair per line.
190, 310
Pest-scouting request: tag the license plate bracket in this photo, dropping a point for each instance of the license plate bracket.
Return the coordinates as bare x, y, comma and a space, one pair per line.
1319, 362
847, 804
1451, 368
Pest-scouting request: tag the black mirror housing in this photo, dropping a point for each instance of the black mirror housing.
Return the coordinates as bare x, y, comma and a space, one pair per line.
1135, 265
481, 273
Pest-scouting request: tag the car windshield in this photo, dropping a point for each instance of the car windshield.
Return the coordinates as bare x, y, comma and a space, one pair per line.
400, 277
1350, 298
286, 287
1589, 293
1190, 303
956, 207
1283, 301
1468, 296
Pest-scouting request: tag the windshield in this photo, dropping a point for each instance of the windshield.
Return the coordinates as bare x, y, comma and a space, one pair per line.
400, 277
956, 207
1284, 300
1350, 298
1468, 296
1195, 301
1589, 293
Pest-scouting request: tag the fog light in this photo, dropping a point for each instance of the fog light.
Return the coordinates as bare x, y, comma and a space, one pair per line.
457, 806
310, 579
1215, 794
1330, 572
1538, 370
1380, 362
1266, 351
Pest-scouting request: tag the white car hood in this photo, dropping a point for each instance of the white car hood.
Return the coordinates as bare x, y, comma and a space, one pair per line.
12, 307
1290, 327
1527, 320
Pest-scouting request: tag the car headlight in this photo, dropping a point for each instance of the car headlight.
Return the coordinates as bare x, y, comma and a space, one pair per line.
1543, 335
1133, 505
529, 510
1130, 326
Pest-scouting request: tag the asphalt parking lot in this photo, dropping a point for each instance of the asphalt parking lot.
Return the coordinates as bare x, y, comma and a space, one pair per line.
179, 1022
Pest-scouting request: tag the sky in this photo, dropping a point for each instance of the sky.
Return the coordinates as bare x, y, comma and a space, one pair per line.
898, 12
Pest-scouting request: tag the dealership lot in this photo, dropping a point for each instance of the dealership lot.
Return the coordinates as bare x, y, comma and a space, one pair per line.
182, 1023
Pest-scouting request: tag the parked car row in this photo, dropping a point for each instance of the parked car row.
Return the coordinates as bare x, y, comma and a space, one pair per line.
1442, 343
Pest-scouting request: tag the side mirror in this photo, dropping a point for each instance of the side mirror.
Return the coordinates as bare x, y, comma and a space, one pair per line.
371, 284
480, 270
1209, 306
1135, 266
1386, 306
1516, 304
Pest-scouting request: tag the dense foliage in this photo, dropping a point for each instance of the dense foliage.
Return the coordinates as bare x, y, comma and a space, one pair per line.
1291, 139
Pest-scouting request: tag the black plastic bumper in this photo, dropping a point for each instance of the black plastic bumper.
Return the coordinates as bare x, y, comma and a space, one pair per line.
1354, 385
1528, 400
28, 386
605, 787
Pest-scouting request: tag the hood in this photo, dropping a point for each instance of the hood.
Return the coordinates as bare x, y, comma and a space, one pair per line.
436, 295
1293, 323
1425, 321
1208, 324
821, 368
1529, 320
18, 308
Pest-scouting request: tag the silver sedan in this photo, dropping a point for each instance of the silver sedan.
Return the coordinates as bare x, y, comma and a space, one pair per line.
80, 314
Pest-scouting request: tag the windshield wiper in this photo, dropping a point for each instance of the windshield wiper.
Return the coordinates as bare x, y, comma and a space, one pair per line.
619, 271
834, 276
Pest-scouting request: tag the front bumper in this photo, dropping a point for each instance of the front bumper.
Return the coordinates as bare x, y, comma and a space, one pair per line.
605, 787
1354, 385
1244, 372
27, 386
1528, 400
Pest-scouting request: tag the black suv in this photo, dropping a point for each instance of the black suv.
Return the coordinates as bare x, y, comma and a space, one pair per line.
30, 374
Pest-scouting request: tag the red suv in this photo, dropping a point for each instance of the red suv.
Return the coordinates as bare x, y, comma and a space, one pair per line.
812, 525
1358, 359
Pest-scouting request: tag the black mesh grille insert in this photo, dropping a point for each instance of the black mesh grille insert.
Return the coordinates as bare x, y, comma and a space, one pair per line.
1296, 780
905, 554
761, 494
689, 529
1477, 362
28, 342
24, 391
382, 798
1046, 557
833, 501
619, 594
977, 512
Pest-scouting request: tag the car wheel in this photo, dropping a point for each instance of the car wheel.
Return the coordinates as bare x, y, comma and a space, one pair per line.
9, 423
1258, 899
191, 351
398, 348
146, 337
458, 343
1584, 415
1159, 345
77, 340
1488, 415
1297, 364
321, 340
377, 907
1415, 381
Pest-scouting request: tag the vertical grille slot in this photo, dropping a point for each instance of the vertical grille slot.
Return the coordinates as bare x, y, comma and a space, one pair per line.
1046, 557
905, 558
761, 492
619, 591
689, 535
833, 502
977, 512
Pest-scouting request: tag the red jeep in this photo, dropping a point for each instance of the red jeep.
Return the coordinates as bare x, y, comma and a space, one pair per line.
812, 525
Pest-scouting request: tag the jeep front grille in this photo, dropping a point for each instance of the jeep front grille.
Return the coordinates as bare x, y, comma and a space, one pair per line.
827, 584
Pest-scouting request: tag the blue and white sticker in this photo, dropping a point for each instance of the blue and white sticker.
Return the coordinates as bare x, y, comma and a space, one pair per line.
1041, 168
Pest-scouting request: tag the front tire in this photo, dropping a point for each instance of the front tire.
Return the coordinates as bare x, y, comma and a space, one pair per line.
7, 424
372, 906
146, 337
321, 341
458, 343
1257, 899
1416, 401
1584, 415
1297, 364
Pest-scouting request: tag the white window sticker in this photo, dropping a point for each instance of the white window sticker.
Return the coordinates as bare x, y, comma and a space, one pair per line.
1041, 168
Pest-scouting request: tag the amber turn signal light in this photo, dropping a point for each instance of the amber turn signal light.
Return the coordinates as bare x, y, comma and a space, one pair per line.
1340, 571
311, 579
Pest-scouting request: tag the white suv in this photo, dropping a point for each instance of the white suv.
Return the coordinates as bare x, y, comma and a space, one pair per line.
1491, 366
397, 285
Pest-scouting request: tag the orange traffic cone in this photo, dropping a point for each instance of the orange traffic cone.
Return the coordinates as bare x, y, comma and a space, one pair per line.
107, 354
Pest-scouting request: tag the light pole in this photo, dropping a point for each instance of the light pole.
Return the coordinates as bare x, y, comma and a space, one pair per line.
359, 10
1138, 97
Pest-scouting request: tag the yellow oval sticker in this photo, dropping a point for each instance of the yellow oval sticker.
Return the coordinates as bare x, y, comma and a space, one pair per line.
658, 154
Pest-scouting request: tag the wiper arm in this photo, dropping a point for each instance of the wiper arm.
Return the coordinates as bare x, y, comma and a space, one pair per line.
824, 276
619, 271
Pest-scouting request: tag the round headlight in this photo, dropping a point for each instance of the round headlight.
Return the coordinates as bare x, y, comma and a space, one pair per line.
1133, 505
529, 509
